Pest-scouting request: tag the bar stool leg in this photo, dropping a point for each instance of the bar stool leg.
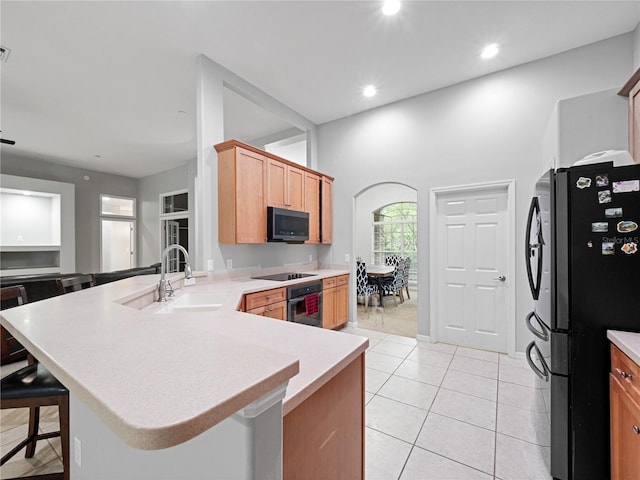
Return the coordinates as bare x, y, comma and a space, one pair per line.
34, 421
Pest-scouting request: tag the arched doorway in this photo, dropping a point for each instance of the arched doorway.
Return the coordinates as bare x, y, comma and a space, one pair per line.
386, 224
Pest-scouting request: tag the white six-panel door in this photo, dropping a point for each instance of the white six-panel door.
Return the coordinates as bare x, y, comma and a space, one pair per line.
472, 264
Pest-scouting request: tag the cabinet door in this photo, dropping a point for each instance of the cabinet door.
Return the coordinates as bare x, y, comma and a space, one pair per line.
625, 433
277, 184
251, 216
329, 308
295, 188
342, 305
326, 210
277, 311
312, 205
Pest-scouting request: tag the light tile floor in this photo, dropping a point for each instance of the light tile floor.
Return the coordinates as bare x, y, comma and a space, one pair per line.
438, 411
433, 411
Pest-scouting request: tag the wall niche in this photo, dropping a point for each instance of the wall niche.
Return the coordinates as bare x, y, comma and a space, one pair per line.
37, 226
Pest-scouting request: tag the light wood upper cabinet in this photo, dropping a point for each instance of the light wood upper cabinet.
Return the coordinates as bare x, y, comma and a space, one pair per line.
632, 90
242, 199
326, 210
250, 179
312, 205
285, 186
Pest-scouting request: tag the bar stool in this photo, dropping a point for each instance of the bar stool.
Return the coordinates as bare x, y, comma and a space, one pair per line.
33, 387
10, 349
73, 284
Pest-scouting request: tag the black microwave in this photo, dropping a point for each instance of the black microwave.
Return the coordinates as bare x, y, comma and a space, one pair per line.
287, 225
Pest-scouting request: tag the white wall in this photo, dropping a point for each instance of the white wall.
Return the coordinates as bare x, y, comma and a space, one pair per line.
366, 203
149, 190
483, 130
86, 204
61, 228
636, 46
212, 79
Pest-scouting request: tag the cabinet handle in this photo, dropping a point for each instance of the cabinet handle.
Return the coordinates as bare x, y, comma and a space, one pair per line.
636, 429
624, 374
268, 297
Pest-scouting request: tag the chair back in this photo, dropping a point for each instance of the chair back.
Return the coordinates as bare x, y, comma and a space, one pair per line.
10, 349
398, 274
407, 267
13, 296
392, 260
362, 281
73, 284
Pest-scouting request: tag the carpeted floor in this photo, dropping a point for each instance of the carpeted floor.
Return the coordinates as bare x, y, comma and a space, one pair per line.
400, 320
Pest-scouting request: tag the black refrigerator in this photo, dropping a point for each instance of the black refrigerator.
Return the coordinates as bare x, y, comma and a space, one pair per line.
583, 264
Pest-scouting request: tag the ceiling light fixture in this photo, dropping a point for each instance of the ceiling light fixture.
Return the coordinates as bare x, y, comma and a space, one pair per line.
490, 51
391, 7
369, 91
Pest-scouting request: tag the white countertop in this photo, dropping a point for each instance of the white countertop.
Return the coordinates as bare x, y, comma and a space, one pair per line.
158, 380
628, 342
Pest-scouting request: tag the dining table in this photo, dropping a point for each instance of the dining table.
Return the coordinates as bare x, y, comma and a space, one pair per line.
377, 274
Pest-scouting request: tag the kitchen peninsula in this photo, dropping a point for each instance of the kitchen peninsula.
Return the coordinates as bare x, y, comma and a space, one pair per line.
198, 394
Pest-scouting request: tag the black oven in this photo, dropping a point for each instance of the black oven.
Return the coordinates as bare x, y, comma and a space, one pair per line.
304, 304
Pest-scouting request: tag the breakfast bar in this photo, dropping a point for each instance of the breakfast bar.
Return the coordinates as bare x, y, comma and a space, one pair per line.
195, 393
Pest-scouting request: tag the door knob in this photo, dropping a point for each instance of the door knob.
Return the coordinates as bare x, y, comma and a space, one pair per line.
502, 278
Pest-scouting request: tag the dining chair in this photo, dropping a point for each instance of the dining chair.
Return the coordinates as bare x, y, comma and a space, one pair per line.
32, 387
10, 349
392, 285
363, 287
73, 284
405, 276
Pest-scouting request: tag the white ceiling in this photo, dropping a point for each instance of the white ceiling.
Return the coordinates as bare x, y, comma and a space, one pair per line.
108, 78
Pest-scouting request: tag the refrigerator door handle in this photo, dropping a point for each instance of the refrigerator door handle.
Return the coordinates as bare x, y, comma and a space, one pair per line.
542, 373
542, 332
532, 248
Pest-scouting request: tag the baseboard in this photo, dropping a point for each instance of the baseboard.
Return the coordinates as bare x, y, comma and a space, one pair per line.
424, 338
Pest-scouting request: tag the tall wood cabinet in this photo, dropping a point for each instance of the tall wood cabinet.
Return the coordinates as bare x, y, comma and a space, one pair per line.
624, 383
632, 90
326, 210
250, 179
242, 196
312, 205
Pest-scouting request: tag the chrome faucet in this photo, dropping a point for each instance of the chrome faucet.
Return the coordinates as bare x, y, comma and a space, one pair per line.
162, 286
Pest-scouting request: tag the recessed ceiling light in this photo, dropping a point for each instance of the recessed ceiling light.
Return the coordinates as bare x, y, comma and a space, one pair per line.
369, 91
490, 51
391, 7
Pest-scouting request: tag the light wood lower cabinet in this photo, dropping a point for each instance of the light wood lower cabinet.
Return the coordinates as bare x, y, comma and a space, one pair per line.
624, 388
323, 437
268, 303
335, 301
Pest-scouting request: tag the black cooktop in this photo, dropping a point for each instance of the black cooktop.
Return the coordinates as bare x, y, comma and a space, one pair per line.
283, 277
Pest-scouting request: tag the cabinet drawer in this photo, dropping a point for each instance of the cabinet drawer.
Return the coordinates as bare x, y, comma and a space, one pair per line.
627, 372
329, 282
343, 280
266, 297
276, 310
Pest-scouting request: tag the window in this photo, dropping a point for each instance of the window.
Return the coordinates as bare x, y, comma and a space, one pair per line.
395, 231
174, 225
117, 233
